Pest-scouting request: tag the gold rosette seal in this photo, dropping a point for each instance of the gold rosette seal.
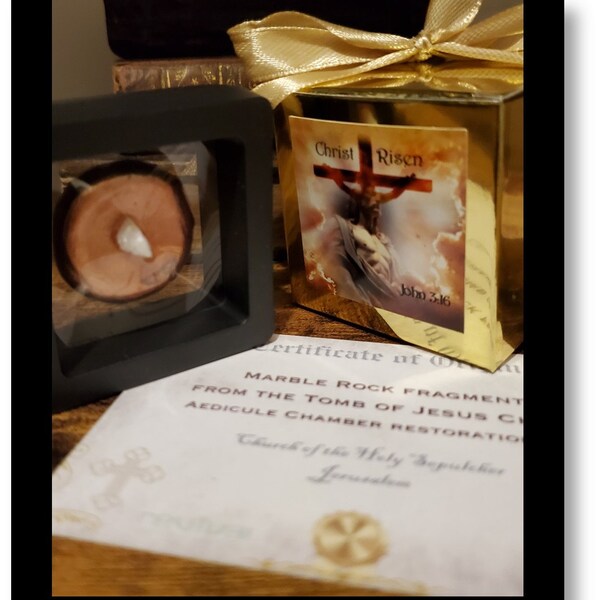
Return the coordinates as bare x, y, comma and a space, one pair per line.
349, 539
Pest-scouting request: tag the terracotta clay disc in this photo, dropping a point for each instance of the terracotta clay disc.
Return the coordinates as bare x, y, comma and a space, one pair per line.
125, 235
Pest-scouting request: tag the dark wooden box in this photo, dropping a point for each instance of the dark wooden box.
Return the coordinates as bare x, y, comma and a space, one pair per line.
171, 28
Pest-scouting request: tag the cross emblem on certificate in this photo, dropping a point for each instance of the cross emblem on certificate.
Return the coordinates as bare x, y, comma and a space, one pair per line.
365, 178
122, 473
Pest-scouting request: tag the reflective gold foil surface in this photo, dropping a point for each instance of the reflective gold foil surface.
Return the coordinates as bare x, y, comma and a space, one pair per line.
487, 102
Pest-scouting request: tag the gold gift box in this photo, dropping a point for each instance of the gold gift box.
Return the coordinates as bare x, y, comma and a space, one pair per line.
403, 205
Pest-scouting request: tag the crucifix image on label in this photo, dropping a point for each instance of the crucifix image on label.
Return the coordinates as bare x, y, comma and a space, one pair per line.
382, 215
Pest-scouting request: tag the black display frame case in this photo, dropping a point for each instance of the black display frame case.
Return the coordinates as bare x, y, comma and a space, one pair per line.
239, 126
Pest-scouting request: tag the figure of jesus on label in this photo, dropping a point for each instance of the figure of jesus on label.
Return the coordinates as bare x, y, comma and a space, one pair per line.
367, 268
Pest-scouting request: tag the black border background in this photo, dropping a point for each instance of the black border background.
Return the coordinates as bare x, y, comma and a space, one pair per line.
544, 308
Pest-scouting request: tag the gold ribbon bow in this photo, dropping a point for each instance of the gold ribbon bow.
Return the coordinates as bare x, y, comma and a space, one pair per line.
288, 51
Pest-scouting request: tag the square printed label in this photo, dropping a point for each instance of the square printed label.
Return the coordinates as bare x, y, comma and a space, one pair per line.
382, 214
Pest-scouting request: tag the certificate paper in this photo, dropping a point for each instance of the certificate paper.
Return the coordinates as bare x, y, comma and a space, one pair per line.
374, 464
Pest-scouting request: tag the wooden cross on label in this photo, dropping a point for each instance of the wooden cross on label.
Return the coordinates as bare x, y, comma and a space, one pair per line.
122, 473
365, 176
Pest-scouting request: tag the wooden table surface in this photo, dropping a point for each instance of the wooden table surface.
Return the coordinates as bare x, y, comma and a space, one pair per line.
86, 569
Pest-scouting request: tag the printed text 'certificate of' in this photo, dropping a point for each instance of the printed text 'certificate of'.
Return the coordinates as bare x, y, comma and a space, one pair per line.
376, 464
